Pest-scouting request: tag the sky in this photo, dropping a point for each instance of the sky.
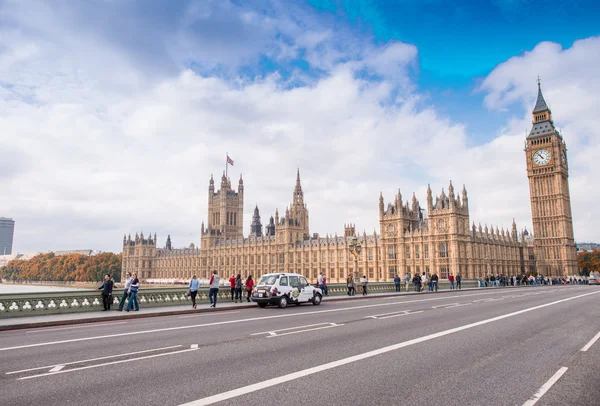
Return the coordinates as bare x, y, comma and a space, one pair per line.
115, 113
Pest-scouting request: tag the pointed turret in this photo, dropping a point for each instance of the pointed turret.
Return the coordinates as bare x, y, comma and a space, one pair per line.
541, 117
451, 190
241, 184
168, 244
540, 103
415, 204
513, 232
276, 216
429, 199
465, 198
211, 184
381, 206
256, 226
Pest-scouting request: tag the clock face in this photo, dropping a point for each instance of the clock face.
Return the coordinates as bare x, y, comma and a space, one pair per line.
541, 157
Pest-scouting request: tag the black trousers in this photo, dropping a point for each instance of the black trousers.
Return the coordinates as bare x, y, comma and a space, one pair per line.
106, 301
193, 296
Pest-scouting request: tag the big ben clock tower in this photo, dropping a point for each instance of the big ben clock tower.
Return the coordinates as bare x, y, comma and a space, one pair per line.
548, 173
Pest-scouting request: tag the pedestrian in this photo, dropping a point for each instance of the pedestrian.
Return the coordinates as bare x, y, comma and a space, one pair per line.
238, 288
133, 291
407, 281
350, 284
107, 288
423, 282
434, 282
326, 289
249, 286
125, 291
417, 282
320, 282
458, 279
194, 286
451, 280
214, 289
363, 282
232, 286
397, 282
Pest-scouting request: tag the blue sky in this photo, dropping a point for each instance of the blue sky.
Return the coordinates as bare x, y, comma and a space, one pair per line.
114, 114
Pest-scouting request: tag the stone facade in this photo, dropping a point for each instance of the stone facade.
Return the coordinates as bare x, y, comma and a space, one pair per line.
548, 173
438, 239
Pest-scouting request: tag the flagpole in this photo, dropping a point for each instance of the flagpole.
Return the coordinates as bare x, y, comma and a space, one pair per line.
226, 163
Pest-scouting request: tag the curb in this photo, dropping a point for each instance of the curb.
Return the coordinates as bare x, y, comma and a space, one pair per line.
135, 316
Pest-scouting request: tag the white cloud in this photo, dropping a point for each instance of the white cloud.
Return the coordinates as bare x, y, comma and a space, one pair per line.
98, 146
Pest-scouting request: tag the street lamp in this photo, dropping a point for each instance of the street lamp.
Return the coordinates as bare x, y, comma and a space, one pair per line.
355, 248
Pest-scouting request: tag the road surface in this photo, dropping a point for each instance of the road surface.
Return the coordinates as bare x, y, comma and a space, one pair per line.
513, 346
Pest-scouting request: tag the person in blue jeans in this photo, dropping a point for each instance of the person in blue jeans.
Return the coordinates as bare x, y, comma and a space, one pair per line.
133, 289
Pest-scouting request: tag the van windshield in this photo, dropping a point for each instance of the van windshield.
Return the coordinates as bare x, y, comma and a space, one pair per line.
268, 279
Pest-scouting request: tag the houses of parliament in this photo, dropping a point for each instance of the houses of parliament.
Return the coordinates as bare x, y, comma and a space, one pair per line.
442, 240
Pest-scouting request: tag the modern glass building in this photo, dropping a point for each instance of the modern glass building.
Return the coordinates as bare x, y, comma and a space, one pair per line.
7, 231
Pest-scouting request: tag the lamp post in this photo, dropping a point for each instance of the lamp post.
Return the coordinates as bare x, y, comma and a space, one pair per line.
355, 248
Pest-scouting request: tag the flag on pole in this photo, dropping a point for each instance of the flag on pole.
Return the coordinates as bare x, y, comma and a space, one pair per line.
229, 160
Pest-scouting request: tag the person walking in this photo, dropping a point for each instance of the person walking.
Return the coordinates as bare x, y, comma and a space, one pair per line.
397, 283
214, 289
417, 282
423, 281
458, 280
249, 287
363, 282
125, 291
350, 284
232, 286
133, 291
238, 288
407, 281
434, 282
107, 288
451, 280
194, 286
326, 289
320, 282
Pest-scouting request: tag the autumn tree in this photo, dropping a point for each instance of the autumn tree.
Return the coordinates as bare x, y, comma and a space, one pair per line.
588, 262
71, 267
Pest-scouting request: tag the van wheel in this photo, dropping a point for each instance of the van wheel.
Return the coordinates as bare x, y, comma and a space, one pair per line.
262, 305
283, 302
317, 299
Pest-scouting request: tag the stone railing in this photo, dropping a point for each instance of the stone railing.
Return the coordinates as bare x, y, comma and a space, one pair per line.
38, 304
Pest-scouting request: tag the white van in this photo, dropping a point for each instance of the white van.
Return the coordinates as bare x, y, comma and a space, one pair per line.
285, 288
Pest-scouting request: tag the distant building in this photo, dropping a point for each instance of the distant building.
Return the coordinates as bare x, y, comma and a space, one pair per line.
7, 231
587, 246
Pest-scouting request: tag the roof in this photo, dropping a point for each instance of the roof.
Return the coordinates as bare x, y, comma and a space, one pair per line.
542, 128
540, 103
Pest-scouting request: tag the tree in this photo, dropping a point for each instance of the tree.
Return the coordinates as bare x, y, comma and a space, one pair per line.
71, 267
588, 262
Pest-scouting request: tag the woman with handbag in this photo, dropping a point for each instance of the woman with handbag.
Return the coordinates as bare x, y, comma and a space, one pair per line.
238, 288
193, 291
350, 282
249, 286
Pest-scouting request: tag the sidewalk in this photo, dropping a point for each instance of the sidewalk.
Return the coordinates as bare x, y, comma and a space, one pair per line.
27, 322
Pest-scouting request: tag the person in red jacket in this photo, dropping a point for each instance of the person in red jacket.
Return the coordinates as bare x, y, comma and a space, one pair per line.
249, 286
451, 280
232, 285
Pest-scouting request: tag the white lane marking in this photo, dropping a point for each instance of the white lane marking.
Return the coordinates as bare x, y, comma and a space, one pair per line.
107, 363
204, 315
298, 329
57, 368
194, 346
393, 314
344, 309
47, 329
330, 365
290, 328
592, 341
277, 334
94, 359
545, 387
451, 305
